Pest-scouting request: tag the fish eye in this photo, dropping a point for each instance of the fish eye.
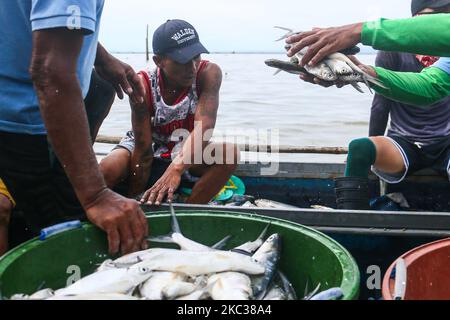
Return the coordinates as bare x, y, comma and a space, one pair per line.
144, 270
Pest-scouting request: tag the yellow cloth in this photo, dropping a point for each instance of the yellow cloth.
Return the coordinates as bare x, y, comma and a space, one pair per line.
4, 191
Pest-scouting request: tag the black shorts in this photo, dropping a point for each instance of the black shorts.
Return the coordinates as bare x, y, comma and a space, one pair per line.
33, 174
417, 157
158, 168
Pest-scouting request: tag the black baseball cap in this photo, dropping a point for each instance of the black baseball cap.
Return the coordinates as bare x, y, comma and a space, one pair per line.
178, 40
419, 5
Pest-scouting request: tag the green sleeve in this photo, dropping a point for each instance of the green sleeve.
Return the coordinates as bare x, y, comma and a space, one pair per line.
420, 89
427, 34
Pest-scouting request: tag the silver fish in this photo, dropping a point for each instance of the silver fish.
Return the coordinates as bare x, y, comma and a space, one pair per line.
250, 247
264, 203
275, 293
177, 237
194, 263
332, 293
108, 281
166, 285
268, 255
230, 286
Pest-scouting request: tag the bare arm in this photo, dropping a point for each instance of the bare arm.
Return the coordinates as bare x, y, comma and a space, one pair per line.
142, 156
119, 74
54, 74
205, 120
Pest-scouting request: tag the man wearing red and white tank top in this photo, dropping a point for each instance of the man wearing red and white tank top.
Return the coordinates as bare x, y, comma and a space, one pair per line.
181, 100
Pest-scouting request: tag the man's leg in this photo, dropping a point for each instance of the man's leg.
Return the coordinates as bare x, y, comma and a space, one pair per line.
389, 159
378, 151
98, 103
213, 177
5, 215
115, 167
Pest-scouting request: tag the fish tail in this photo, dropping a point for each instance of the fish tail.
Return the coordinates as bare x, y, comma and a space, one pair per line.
357, 87
286, 35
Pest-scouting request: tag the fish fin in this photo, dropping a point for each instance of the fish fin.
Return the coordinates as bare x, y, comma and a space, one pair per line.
287, 286
376, 82
310, 295
219, 245
277, 72
174, 221
286, 35
305, 292
357, 87
264, 232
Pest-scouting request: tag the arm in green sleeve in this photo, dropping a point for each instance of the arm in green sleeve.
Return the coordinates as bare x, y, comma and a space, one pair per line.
427, 34
420, 89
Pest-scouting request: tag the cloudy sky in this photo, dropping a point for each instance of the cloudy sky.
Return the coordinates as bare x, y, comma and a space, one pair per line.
236, 25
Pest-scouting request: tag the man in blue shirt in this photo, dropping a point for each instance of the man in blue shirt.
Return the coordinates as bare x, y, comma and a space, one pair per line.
49, 102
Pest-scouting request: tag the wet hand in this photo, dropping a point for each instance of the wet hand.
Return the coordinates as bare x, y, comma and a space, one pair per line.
323, 42
165, 186
122, 77
122, 219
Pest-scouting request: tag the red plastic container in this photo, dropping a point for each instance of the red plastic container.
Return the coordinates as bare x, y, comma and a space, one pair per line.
428, 273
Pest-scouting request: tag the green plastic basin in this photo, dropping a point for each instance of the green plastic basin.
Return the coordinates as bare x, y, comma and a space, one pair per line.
307, 255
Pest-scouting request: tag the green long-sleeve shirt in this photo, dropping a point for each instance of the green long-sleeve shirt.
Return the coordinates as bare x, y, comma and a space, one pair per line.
428, 34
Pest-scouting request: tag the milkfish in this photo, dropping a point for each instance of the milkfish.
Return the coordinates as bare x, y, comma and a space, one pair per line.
268, 255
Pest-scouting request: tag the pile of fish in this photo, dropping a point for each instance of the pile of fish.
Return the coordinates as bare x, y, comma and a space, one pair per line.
249, 201
336, 67
193, 272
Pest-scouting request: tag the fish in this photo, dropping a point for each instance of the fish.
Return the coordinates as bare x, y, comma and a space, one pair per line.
275, 293
268, 255
288, 288
166, 285
250, 247
94, 296
177, 237
230, 286
194, 263
38, 295
264, 203
332, 293
290, 32
335, 67
117, 280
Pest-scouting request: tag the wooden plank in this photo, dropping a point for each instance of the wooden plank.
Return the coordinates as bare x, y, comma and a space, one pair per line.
257, 148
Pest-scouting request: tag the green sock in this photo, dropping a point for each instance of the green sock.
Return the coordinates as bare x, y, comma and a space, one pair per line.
362, 154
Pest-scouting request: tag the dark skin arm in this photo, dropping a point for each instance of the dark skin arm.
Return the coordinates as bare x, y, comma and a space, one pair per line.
142, 156
205, 117
54, 73
120, 75
323, 42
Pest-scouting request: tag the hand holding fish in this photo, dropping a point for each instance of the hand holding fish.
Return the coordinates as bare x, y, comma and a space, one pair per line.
323, 42
122, 219
338, 67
